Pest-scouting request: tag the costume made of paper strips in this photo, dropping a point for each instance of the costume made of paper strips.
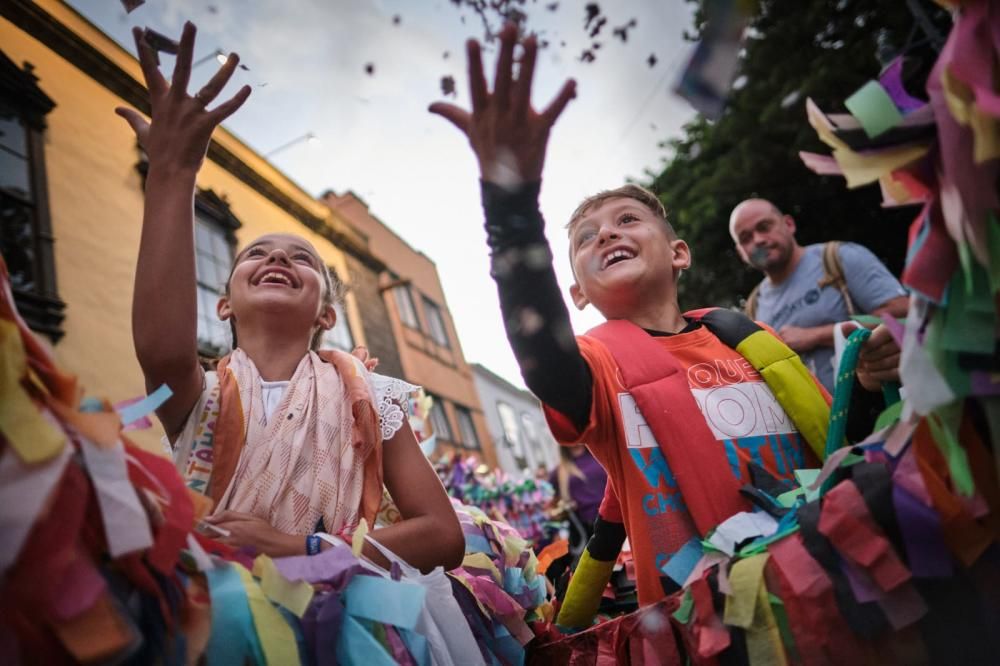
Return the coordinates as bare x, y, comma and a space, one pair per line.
698, 462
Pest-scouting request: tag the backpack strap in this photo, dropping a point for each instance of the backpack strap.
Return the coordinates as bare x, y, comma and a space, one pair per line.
750, 306
782, 369
696, 459
833, 274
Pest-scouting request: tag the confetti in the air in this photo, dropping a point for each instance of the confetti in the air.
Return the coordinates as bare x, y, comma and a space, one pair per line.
370, 68
131, 5
651, 60
159, 43
448, 86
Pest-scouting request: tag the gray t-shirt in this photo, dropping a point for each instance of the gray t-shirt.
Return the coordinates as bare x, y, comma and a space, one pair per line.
798, 301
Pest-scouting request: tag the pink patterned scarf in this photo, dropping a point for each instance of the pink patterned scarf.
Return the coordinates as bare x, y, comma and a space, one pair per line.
318, 456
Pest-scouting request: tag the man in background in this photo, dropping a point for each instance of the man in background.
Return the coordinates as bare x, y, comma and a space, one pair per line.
807, 290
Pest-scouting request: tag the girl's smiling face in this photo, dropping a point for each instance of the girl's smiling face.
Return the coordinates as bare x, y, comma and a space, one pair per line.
280, 274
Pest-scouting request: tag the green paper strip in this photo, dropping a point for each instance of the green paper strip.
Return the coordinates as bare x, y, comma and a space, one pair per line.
683, 612
954, 454
993, 226
867, 319
889, 416
874, 109
781, 618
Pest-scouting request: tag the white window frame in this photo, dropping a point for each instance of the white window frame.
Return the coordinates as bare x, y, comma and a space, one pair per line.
405, 305
439, 420
435, 322
212, 266
340, 336
467, 427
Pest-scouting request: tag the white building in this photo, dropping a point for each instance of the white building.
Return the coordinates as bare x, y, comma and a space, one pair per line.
521, 438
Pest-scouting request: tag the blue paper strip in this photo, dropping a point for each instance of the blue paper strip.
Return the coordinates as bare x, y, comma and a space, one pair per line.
680, 566
386, 601
146, 406
233, 634
417, 645
357, 646
475, 543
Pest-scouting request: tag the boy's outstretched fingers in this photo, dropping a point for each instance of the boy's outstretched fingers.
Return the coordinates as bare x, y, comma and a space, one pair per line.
507, 135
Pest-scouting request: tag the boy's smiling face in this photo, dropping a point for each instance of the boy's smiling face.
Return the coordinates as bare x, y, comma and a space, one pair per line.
623, 254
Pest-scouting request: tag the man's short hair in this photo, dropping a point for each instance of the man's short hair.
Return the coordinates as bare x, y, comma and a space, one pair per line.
640, 194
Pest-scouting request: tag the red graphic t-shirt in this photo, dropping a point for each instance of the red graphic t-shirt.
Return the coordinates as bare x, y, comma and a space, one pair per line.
740, 410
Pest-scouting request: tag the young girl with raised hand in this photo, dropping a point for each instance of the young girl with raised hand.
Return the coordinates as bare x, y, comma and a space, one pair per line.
288, 442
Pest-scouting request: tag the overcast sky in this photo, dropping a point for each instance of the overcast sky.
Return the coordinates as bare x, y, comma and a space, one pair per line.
415, 170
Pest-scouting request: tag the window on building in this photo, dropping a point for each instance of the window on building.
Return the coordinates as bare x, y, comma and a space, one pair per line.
214, 240
436, 322
26, 241
530, 429
404, 303
467, 427
511, 432
439, 420
340, 336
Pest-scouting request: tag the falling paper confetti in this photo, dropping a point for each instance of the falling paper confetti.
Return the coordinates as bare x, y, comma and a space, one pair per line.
587, 56
159, 43
130, 5
593, 11
651, 60
370, 68
448, 86
397, 19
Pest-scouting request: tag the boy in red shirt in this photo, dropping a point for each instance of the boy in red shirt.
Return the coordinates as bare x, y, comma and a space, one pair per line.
626, 259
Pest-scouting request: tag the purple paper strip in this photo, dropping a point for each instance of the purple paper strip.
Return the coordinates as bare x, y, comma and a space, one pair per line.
920, 525
329, 622
892, 80
329, 564
903, 606
984, 383
862, 585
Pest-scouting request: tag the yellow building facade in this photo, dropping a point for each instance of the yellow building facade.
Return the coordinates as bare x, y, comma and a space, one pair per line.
93, 194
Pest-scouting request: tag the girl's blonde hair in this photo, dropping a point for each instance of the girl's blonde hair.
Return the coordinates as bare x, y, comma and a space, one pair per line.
332, 293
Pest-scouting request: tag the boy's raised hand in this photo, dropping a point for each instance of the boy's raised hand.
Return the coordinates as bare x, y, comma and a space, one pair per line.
178, 135
506, 133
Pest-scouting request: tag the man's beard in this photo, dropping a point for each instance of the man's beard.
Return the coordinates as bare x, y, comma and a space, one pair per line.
758, 257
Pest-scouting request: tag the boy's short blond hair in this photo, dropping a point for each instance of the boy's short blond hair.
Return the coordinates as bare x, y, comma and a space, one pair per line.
640, 194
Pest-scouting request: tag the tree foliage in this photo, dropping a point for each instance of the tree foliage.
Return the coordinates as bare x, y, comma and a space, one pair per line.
795, 49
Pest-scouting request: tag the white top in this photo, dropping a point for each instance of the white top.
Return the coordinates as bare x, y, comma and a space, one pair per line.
272, 393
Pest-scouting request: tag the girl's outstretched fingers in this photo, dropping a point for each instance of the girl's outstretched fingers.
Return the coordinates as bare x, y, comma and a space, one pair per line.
229, 107
136, 121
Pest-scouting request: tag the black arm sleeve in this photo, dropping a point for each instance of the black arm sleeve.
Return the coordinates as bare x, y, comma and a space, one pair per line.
535, 316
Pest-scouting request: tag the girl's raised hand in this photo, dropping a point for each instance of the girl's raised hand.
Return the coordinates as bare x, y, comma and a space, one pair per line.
508, 136
178, 135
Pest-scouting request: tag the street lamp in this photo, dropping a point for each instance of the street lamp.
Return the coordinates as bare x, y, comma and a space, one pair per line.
218, 54
308, 137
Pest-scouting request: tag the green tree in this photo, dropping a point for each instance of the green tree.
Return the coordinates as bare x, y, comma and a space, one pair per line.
796, 49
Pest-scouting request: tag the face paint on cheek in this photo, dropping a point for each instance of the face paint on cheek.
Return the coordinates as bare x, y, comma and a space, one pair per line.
758, 257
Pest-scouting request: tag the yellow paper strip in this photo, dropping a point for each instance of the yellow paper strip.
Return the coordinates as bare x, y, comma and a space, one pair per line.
358, 538
764, 647
277, 640
483, 561
861, 169
745, 579
293, 596
34, 439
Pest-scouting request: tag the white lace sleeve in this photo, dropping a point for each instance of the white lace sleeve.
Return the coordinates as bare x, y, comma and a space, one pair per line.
392, 398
